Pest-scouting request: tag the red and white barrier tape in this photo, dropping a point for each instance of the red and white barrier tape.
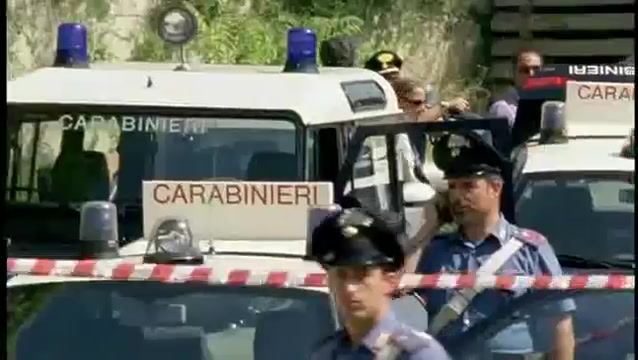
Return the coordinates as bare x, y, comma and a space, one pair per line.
604, 334
126, 270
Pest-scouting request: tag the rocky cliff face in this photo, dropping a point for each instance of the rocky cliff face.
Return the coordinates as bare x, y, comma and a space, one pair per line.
31, 28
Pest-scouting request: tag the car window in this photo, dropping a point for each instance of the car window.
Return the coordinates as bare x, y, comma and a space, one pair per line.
582, 214
76, 157
117, 320
528, 327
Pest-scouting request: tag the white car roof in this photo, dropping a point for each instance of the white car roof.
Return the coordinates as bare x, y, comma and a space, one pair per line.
316, 98
578, 155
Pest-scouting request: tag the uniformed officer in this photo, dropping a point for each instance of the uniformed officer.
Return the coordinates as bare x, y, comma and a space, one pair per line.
363, 257
387, 63
487, 243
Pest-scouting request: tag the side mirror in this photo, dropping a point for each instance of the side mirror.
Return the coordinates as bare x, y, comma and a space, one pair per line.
417, 193
415, 196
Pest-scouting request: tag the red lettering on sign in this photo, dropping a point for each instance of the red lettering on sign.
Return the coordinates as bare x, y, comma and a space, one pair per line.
606, 92
237, 194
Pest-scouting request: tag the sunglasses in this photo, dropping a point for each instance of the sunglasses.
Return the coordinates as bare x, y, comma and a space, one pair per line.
414, 102
528, 69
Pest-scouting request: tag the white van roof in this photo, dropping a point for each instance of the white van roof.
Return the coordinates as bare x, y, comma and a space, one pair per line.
316, 98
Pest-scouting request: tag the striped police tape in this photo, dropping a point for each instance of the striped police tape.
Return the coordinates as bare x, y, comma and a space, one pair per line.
126, 270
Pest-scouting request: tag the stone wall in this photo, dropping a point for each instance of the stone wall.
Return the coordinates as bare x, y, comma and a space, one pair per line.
31, 28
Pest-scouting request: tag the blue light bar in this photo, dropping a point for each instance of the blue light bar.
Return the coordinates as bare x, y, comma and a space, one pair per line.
72, 47
553, 127
302, 51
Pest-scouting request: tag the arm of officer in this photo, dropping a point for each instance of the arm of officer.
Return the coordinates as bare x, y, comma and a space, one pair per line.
564, 340
423, 237
502, 109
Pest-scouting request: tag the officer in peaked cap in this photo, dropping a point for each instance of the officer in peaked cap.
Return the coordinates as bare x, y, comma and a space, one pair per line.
487, 243
387, 63
363, 259
468, 154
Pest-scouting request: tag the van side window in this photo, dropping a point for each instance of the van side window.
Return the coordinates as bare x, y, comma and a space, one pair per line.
371, 176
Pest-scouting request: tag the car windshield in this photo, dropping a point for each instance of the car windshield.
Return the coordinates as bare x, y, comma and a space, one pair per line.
584, 214
75, 156
528, 326
154, 321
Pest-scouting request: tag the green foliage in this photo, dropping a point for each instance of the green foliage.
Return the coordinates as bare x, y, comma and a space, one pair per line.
32, 28
437, 37
235, 38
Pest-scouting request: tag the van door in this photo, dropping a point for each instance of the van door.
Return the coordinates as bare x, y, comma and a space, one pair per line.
371, 175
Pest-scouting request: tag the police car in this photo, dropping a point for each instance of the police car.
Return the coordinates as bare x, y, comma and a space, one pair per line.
573, 138
577, 182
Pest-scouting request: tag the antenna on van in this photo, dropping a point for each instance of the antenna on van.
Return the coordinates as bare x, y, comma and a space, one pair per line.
178, 26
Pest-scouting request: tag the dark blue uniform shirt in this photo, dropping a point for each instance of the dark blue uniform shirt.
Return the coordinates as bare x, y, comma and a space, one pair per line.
453, 254
416, 345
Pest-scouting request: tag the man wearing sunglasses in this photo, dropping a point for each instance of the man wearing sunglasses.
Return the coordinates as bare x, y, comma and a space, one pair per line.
528, 62
388, 64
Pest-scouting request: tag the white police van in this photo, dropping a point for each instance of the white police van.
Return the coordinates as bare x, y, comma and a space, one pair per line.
84, 132
210, 164
577, 183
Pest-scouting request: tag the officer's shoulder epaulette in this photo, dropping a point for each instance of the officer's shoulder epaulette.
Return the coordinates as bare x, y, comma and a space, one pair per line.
410, 339
530, 237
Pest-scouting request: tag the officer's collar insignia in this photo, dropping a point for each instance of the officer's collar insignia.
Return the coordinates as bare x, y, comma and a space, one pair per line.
530, 236
455, 143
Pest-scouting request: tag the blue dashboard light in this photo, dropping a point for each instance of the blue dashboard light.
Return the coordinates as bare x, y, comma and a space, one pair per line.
72, 46
553, 126
302, 51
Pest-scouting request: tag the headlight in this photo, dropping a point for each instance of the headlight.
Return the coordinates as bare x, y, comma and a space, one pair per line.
553, 128
171, 241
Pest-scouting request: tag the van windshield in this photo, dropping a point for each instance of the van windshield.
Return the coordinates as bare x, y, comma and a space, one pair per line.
586, 214
81, 155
